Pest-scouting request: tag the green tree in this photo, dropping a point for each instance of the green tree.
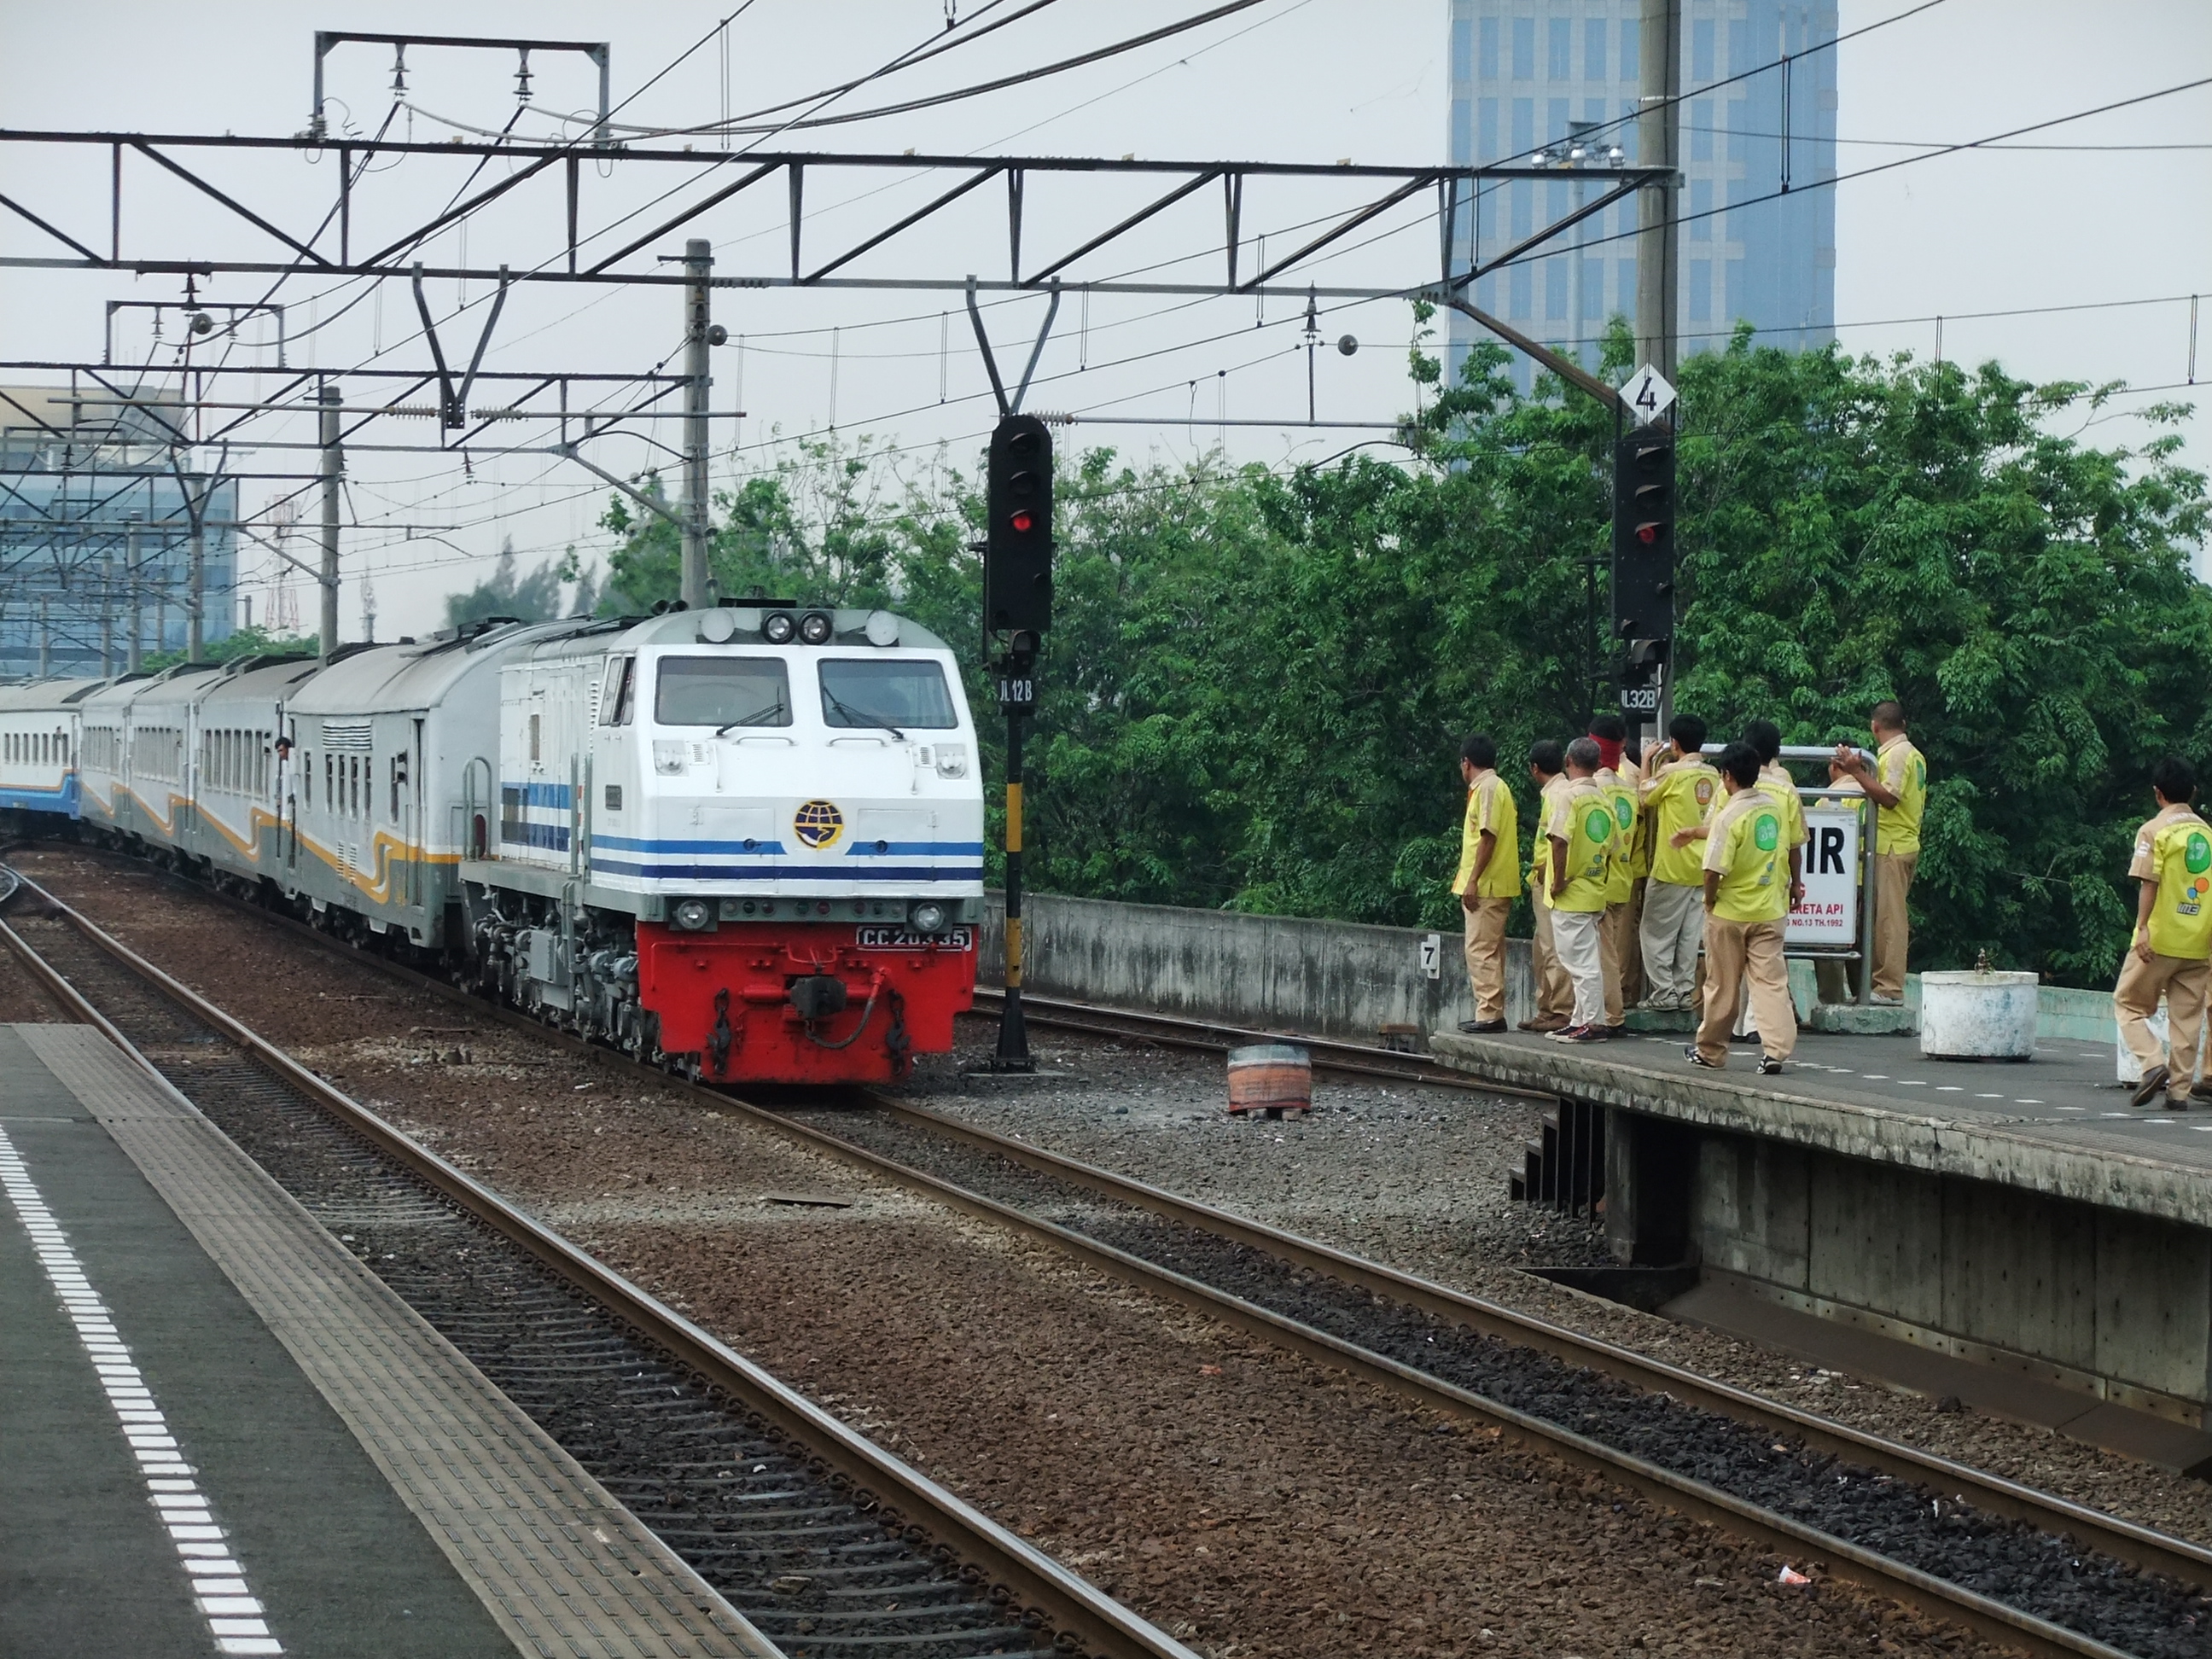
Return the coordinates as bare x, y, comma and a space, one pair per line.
505, 593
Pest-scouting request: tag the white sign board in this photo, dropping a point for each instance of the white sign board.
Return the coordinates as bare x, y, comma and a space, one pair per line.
1829, 917
1648, 394
1432, 955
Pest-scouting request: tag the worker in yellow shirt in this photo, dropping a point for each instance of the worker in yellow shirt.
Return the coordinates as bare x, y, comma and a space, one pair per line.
1898, 783
1583, 836
1765, 737
1555, 992
1746, 909
1610, 734
1489, 877
1680, 789
2173, 869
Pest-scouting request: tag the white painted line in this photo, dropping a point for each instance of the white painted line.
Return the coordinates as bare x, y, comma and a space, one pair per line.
2023, 1100
2158, 1119
1914, 1083
1877, 1077
220, 1591
2112, 1115
2202, 1129
2000, 1097
1950, 1088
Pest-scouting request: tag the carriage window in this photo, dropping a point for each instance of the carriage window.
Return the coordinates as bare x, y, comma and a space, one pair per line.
534, 755
723, 692
619, 696
860, 693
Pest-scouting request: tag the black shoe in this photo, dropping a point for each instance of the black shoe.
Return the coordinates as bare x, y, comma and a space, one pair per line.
1748, 1037
1481, 1027
1587, 1034
1769, 1067
1698, 1059
1611, 1031
2153, 1082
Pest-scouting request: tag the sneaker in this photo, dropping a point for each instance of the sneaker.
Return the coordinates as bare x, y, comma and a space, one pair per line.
1610, 1032
1545, 1023
2153, 1082
1881, 1001
1698, 1060
1572, 1034
1589, 1034
1769, 1067
2201, 1094
1481, 1027
1748, 1037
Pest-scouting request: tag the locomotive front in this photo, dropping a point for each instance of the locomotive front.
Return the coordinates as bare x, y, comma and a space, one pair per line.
757, 833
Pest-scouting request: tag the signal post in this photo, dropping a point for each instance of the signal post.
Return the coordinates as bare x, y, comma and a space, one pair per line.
1016, 611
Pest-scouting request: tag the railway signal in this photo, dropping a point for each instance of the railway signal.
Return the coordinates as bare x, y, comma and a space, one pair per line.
1018, 528
1017, 551
1644, 564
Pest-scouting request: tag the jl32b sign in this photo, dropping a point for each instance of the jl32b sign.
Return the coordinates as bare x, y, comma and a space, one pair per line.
1829, 917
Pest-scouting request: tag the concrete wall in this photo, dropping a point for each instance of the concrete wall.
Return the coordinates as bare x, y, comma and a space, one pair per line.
1334, 979
2093, 1298
1331, 979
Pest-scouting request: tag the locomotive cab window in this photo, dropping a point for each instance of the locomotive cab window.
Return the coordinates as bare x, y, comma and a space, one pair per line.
618, 694
859, 692
721, 691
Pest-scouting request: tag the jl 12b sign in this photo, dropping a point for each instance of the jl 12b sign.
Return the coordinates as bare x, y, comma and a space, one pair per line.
1829, 917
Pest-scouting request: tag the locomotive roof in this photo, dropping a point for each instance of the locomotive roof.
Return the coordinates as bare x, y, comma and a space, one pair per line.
850, 627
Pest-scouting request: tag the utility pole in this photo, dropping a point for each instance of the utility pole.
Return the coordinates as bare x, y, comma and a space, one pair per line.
333, 467
698, 260
107, 611
131, 660
45, 637
1659, 128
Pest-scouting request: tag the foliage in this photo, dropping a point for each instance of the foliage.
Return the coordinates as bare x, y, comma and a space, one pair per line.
1255, 683
533, 598
256, 640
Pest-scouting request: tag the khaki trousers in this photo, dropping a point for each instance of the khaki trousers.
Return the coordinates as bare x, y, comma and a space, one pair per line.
1555, 992
2134, 1000
1612, 937
1486, 956
1631, 946
1672, 925
1575, 936
1738, 953
1892, 923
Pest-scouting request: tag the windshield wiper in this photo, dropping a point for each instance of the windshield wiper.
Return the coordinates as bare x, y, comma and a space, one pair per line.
758, 717
858, 716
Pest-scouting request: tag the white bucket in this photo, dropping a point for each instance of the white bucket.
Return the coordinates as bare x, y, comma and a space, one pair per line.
1977, 1015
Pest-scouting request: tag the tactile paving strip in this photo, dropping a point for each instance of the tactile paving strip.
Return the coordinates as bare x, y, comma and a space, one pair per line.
567, 1572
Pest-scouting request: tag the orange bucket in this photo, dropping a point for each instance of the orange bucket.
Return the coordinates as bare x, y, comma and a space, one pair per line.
1273, 1077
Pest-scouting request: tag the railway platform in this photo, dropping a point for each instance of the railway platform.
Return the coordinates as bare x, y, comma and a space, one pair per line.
2019, 1213
220, 1433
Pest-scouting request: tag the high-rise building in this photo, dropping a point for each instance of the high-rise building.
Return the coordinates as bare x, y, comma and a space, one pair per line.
95, 532
1758, 240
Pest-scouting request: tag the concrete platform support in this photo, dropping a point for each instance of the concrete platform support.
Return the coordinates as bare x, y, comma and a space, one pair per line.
2101, 1300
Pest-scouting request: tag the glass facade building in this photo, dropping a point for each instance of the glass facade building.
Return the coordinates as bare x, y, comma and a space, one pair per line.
1758, 134
95, 534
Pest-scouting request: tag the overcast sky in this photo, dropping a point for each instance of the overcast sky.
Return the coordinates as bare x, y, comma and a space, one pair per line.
1314, 81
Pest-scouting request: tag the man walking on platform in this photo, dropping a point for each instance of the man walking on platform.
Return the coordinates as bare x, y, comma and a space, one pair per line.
1679, 789
1747, 900
1582, 834
1489, 878
1554, 991
1898, 783
2173, 869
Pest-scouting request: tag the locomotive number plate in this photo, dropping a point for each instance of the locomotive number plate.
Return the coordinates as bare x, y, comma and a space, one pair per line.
905, 939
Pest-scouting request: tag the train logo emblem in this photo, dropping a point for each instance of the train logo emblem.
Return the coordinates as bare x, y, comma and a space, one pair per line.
818, 824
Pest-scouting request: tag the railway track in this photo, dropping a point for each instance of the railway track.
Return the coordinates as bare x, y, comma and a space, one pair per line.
1207, 1036
2017, 1566
827, 1543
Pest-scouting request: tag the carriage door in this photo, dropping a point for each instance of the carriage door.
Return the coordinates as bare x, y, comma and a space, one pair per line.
416, 768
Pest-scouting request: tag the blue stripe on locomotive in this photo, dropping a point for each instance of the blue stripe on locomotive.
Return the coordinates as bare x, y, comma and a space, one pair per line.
62, 798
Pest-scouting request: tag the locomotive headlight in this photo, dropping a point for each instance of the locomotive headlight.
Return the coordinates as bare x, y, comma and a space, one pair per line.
693, 914
815, 627
927, 917
777, 627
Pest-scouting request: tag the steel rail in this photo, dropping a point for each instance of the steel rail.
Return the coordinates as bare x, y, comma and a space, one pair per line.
1212, 1037
2125, 1540
876, 1479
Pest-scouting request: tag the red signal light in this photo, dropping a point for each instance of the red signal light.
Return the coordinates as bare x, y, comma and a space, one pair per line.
1647, 533
1022, 522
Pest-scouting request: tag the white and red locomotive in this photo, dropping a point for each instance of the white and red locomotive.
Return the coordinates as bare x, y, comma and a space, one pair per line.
747, 841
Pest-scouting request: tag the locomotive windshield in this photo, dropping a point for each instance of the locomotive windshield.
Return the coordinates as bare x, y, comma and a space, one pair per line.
723, 692
861, 692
